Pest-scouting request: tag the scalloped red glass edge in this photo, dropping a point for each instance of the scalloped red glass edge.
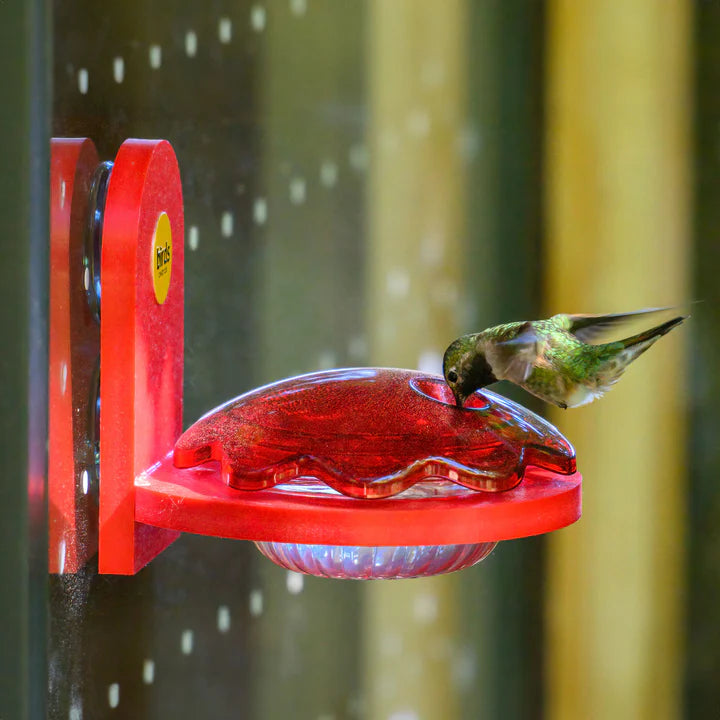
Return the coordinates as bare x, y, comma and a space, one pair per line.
372, 433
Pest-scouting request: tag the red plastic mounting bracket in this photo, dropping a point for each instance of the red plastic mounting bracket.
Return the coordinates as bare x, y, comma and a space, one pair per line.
141, 345
296, 439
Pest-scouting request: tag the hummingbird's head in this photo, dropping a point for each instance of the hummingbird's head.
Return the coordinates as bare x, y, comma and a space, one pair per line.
465, 368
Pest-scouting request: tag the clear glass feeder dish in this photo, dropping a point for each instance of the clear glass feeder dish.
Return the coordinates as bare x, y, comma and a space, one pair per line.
369, 473
389, 562
374, 563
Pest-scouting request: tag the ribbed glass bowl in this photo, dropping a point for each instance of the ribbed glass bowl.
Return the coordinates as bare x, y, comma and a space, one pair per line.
374, 563
355, 562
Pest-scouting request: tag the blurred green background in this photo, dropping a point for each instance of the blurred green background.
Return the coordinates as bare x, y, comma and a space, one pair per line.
363, 182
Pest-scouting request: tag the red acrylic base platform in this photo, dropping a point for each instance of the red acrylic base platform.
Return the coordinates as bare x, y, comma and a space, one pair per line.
313, 466
196, 500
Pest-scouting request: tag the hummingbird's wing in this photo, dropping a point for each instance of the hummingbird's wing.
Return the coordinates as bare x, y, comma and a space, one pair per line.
512, 358
587, 328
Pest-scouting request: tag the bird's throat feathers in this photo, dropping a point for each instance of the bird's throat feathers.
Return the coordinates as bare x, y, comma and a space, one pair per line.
477, 374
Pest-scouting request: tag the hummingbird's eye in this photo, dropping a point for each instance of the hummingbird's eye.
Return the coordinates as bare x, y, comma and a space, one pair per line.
452, 376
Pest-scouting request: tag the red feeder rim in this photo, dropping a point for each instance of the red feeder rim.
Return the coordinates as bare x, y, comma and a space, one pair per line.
196, 500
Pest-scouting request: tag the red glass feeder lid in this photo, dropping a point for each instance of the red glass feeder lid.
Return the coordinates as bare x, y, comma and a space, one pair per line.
372, 433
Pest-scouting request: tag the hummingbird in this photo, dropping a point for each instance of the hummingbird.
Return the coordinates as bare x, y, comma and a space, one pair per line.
551, 359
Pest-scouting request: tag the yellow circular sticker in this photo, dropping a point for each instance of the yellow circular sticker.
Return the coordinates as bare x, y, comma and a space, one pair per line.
161, 258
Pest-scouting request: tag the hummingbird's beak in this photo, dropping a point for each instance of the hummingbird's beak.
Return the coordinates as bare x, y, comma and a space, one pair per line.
459, 399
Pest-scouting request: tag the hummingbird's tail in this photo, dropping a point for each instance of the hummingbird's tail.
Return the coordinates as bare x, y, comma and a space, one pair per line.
615, 357
638, 344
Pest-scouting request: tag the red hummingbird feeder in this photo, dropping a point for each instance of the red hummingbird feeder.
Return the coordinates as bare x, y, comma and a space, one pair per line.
352, 473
